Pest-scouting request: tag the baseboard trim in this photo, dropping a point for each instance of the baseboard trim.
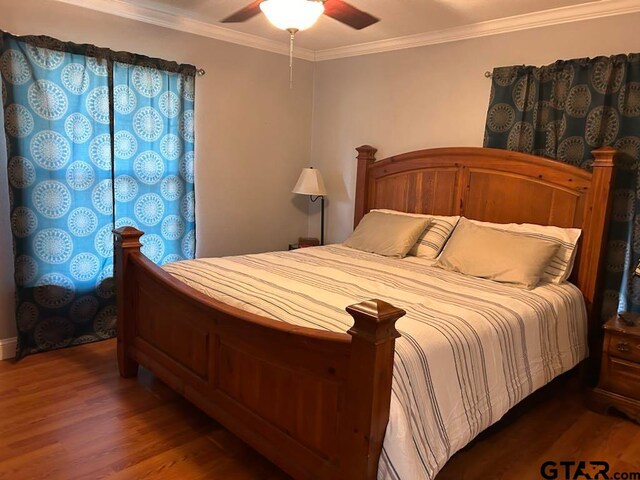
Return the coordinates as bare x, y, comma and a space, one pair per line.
8, 348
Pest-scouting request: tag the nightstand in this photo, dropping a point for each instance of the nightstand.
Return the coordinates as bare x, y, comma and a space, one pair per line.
619, 385
304, 242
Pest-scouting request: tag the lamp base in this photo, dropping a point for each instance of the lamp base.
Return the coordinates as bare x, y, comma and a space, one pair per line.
322, 221
630, 319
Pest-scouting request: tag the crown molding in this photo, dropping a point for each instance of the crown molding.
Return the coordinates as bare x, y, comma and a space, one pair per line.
175, 20
544, 18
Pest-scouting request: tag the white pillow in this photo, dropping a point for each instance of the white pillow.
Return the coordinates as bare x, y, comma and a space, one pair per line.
561, 265
430, 243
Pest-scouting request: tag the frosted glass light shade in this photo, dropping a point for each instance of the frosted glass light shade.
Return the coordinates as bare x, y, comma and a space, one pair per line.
310, 182
292, 14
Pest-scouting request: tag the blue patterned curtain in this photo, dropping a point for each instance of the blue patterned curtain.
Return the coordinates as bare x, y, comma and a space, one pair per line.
56, 108
153, 145
565, 110
93, 143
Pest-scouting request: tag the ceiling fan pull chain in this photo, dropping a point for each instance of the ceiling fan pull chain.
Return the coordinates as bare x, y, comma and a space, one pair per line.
292, 33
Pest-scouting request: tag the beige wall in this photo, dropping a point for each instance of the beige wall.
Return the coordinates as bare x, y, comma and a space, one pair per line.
429, 96
253, 133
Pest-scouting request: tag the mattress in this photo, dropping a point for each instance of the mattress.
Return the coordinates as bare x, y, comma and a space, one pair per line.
469, 350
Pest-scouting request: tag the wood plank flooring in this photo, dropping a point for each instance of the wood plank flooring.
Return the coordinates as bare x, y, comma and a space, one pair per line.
68, 415
554, 424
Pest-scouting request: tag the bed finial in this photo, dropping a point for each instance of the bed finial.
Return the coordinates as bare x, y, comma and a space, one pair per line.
374, 320
128, 235
366, 157
604, 156
367, 153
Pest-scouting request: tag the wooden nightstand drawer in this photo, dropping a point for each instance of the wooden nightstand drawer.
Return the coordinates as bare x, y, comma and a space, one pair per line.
623, 378
619, 385
624, 347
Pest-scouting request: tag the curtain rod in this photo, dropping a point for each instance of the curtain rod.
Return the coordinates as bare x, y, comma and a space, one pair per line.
489, 74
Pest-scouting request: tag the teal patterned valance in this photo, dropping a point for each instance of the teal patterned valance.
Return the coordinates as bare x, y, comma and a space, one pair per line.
100, 53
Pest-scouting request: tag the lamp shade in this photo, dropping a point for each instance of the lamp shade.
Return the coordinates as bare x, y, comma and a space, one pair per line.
310, 182
292, 14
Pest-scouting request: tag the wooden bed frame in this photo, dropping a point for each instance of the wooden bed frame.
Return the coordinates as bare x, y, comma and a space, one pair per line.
316, 403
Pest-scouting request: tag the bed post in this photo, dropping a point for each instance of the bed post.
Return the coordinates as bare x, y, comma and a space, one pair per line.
595, 230
368, 386
127, 242
366, 157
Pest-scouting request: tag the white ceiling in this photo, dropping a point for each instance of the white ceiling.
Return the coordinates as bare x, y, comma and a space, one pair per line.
398, 18
403, 23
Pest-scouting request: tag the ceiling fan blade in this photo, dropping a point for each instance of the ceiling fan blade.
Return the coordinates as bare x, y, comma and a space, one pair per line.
348, 14
245, 13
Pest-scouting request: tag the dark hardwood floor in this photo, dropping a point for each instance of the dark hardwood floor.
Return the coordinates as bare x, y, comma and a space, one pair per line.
68, 415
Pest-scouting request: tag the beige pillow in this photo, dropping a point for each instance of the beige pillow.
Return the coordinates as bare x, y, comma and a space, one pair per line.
386, 234
434, 237
561, 265
496, 255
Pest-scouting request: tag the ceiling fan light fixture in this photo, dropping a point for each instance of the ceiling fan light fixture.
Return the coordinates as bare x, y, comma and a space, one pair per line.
292, 15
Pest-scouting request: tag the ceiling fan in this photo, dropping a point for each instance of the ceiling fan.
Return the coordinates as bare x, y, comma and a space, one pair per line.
336, 9
296, 15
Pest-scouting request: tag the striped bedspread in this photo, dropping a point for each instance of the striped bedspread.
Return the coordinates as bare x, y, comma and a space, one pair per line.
470, 348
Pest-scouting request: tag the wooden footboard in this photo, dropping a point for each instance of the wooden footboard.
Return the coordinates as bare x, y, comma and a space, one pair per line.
315, 403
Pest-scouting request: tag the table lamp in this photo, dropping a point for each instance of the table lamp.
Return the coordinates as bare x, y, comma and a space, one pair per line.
311, 183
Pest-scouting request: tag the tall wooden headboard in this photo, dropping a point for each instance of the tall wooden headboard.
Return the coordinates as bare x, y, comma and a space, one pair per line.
499, 186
